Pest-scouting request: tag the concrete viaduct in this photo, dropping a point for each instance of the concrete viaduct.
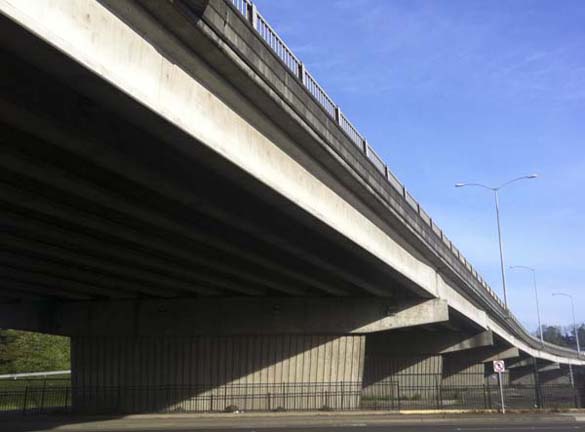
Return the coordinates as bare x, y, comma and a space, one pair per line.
182, 199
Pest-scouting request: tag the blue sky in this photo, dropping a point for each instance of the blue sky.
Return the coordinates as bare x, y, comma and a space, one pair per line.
468, 90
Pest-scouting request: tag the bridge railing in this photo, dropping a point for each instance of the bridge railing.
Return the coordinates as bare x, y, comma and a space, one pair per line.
249, 11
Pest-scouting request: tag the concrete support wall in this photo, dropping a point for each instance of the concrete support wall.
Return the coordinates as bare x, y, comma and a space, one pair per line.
134, 374
418, 358
455, 374
390, 365
406, 370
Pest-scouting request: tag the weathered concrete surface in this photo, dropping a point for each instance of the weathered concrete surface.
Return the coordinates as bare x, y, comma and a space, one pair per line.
529, 362
412, 374
419, 358
227, 316
529, 371
472, 366
215, 371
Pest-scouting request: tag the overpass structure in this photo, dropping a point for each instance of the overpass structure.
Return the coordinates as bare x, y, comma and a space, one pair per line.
182, 199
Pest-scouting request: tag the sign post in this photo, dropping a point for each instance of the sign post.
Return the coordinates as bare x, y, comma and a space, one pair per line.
499, 368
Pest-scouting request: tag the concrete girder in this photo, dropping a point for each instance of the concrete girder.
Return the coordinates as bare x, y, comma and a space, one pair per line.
226, 316
87, 191
420, 342
501, 354
163, 188
541, 365
482, 339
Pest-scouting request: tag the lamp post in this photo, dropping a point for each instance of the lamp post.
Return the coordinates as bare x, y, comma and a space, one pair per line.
571, 377
520, 267
574, 322
496, 190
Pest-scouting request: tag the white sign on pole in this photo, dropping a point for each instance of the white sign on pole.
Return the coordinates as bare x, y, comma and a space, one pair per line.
499, 368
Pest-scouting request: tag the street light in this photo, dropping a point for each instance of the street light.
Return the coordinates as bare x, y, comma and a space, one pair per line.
520, 267
495, 190
574, 322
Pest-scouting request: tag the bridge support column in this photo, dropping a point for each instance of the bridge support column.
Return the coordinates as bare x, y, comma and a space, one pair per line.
212, 353
214, 373
530, 371
413, 360
472, 367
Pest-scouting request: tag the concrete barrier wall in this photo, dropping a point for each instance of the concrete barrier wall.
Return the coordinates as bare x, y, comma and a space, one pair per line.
211, 372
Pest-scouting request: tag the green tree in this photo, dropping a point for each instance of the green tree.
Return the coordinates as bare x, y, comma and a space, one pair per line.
554, 335
22, 351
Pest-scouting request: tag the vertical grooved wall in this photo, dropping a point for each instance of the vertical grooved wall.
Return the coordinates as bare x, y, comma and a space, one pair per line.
212, 372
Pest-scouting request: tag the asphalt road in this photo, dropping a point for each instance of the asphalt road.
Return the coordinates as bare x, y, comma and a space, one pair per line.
417, 428
287, 424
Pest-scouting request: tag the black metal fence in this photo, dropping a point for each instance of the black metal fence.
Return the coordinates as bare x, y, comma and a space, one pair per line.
47, 399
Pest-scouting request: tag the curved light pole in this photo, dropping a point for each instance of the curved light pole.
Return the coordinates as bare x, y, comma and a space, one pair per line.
495, 190
520, 267
574, 322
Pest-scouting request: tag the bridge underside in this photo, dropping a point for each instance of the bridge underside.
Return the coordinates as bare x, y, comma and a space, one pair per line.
97, 206
171, 267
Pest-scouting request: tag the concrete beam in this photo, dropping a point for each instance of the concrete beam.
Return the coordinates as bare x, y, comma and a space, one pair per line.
549, 367
541, 365
483, 339
462, 360
409, 315
502, 354
419, 342
226, 316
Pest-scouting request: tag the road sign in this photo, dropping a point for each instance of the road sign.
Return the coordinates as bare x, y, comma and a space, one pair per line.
499, 366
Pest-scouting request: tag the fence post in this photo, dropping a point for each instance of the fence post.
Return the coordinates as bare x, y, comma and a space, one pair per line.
25, 400
338, 115
43, 394
268, 399
66, 397
398, 392
438, 394
253, 14
537, 388
284, 395
302, 73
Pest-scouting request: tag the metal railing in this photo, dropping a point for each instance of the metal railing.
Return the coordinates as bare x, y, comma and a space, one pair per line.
249, 11
334, 396
274, 41
17, 376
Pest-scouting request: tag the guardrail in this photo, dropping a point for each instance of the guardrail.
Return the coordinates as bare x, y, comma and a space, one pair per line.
34, 374
250, 12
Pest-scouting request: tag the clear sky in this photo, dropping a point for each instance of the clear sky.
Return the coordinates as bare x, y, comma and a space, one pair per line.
468, 91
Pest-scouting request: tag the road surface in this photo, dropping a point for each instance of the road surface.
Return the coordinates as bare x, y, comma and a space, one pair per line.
485, 423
